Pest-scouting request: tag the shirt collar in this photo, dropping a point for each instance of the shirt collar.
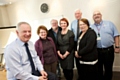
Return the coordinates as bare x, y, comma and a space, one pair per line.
54, 31
21, 43
98, 24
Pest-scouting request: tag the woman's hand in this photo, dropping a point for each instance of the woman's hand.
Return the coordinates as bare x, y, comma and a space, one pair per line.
76, 55
66, 54
60, 55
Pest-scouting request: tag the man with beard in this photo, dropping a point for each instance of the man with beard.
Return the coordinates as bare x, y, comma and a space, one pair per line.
53, 32
107, 44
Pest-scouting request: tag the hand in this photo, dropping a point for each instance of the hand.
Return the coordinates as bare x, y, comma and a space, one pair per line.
43, 73
60, 55
67, 53
42, 78
76, 55
117, 50
64, 56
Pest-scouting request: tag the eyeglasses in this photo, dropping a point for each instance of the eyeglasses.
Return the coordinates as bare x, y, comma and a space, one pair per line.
82, 24
43, 32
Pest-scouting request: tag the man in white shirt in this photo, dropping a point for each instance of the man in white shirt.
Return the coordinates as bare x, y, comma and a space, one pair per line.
18, 64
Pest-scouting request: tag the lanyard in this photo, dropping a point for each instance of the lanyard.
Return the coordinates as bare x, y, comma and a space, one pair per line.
99, 29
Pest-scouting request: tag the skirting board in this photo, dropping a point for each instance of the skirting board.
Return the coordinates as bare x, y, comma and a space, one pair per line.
116, 68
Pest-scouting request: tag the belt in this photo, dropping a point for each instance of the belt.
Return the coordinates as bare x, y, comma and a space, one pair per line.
110, 47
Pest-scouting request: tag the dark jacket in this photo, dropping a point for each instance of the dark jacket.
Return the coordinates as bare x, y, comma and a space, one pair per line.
51, 34
88, 46
39, 48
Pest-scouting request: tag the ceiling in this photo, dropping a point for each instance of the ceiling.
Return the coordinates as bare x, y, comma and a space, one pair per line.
6, 2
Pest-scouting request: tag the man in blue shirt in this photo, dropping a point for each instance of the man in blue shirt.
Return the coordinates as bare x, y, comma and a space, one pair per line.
107, 36
18, 64
74, 24
75, 28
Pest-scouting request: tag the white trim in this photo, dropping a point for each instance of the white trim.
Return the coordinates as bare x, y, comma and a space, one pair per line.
91, 62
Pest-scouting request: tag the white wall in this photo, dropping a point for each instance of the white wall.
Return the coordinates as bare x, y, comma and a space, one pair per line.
0, 18
4, 20
29, 10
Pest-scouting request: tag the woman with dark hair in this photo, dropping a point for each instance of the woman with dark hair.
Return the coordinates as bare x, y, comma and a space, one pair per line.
66, 49
86, 51
46, 50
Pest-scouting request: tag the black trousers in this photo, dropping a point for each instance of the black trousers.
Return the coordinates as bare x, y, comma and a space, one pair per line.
88, 72
77, 60
105, 62
68, 73
51, 76
77, 66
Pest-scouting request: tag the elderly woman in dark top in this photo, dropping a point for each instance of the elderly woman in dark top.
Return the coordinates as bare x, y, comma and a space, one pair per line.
86, 51
66, 49
46, 50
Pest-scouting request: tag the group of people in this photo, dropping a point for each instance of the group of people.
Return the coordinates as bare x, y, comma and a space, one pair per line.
92, 46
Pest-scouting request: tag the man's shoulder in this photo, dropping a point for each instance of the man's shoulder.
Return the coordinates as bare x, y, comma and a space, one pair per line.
92, 25
59, 28
73, 24
73, 21
11, 44
50, 29
106, 22
11, 47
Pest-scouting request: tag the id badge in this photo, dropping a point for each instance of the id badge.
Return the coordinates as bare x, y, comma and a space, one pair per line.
98, 38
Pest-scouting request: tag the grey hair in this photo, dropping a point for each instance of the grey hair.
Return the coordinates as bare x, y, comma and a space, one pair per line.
20, 23
54, 20
97, 11
78, 10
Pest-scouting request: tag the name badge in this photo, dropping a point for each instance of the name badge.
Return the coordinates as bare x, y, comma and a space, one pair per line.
98, 38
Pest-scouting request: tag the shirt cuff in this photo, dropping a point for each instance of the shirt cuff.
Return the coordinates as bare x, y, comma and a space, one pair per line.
35, 77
